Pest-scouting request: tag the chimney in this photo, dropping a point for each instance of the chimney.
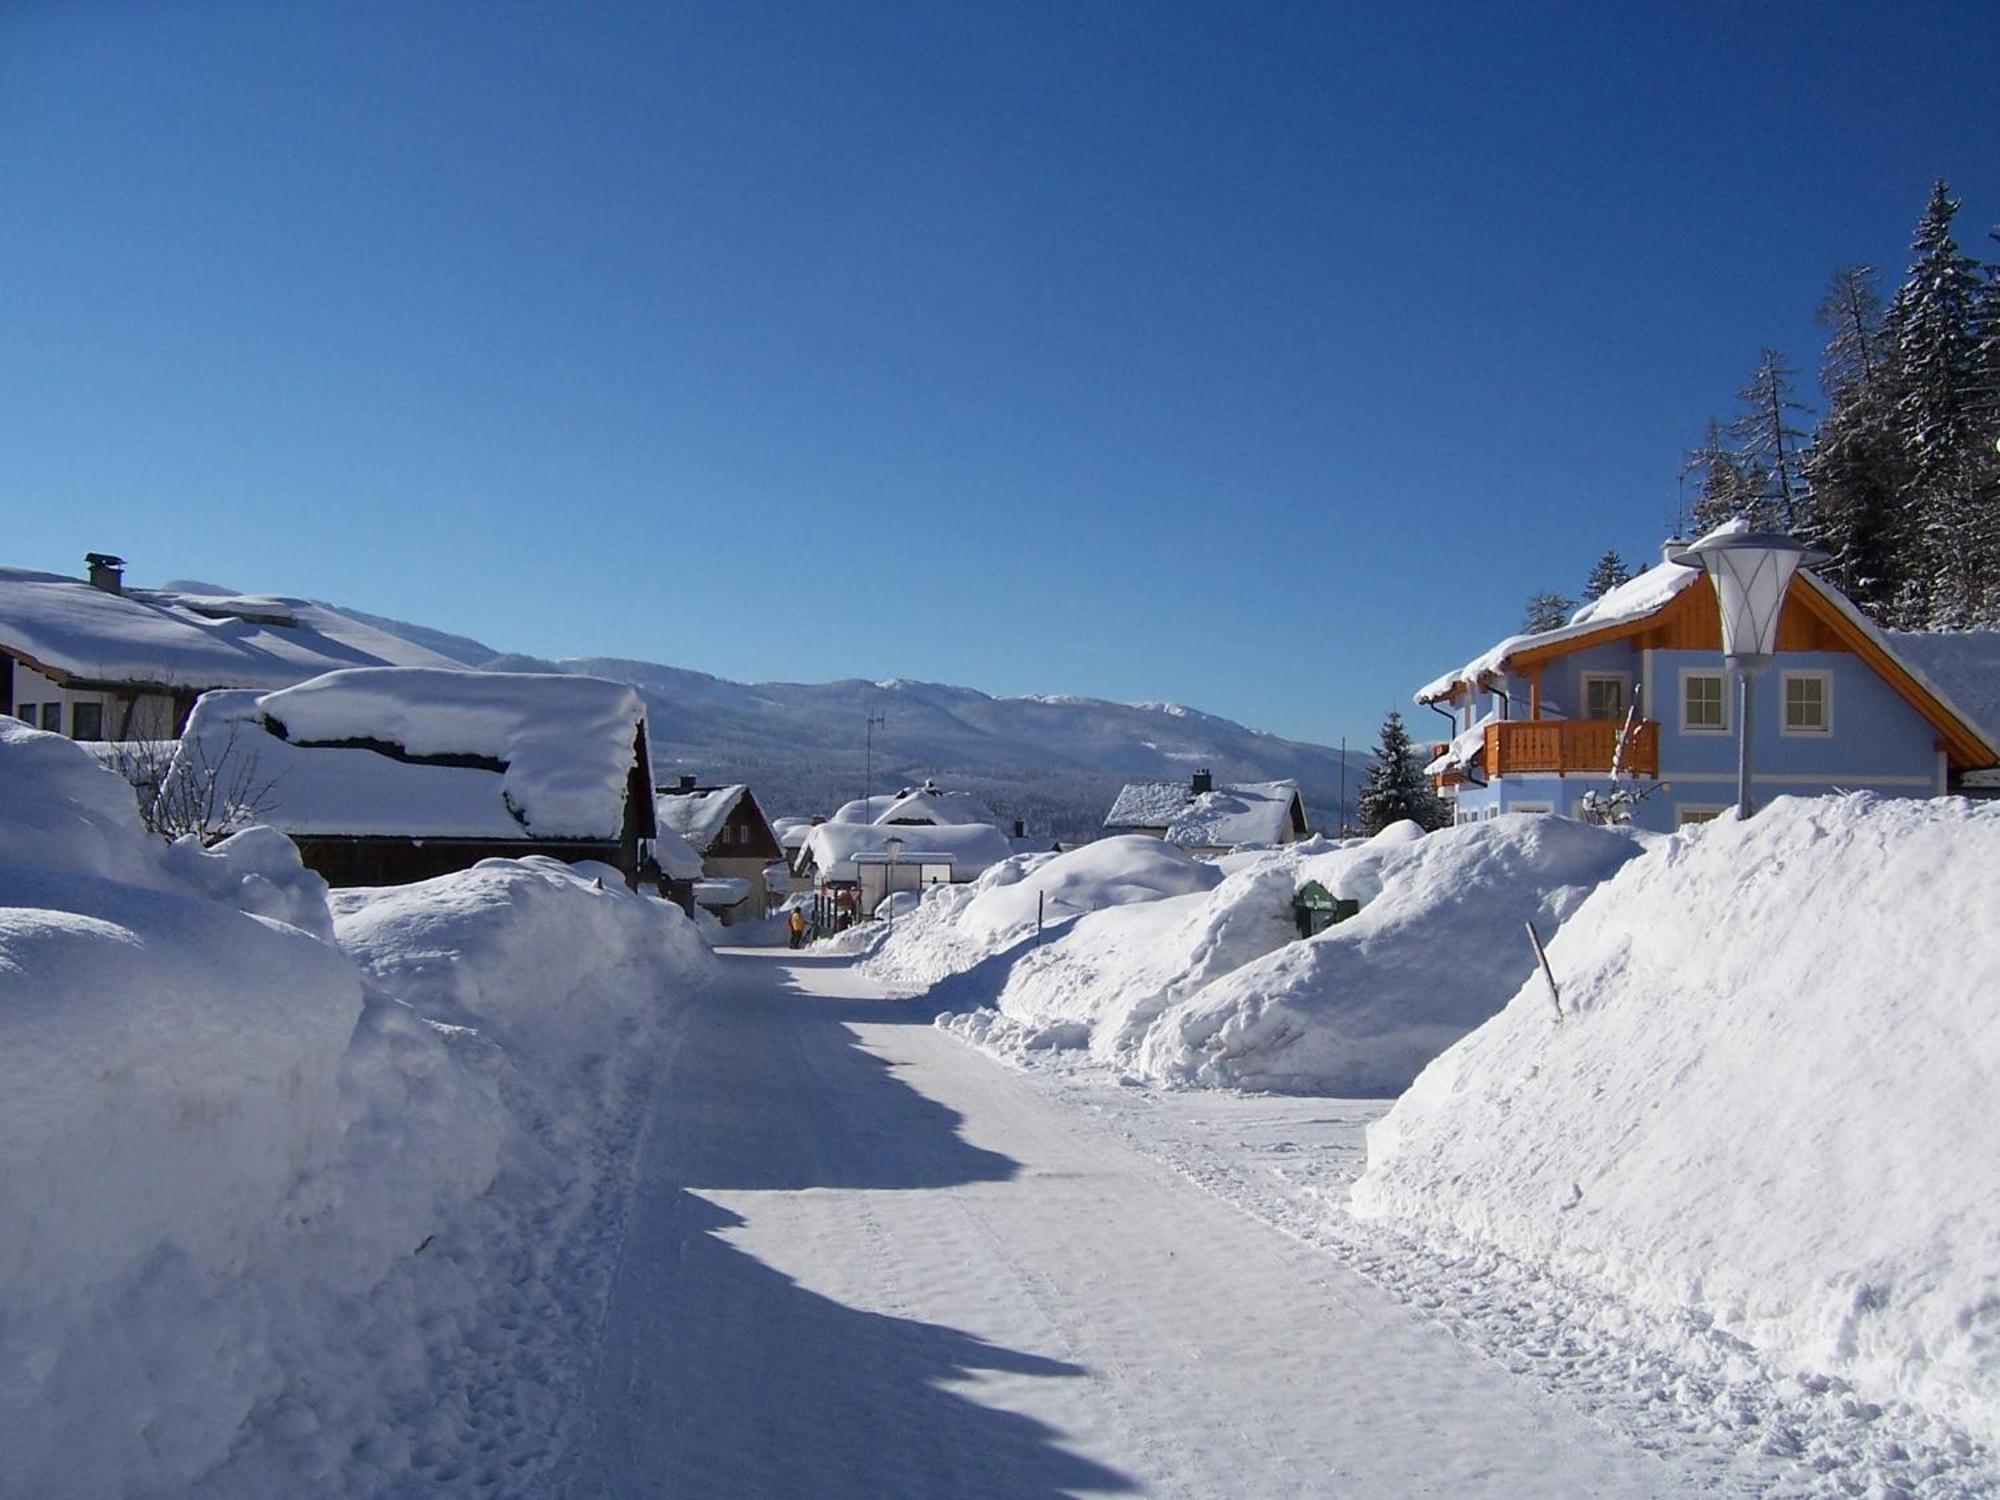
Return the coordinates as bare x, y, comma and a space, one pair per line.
1204, 781
1670, 546
687, 784
106, 572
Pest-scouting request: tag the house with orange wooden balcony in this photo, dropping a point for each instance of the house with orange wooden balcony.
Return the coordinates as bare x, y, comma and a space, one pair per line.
1632, 695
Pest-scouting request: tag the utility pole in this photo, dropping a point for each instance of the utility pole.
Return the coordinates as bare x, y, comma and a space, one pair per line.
868, 769
1343, 787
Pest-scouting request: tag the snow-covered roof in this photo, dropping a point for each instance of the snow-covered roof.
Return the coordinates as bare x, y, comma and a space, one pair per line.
864, 809
676, 857
973, 847
1961, 666
698, 816
179, 639
1255, 812
1632, 600
1258, 812
394, 751
933, 805
1148, 804
1463, 748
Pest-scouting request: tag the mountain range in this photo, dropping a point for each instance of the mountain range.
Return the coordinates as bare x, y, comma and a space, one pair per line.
1055, 762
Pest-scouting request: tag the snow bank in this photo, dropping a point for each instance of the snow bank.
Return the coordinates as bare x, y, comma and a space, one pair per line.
1770, 1101
1438, 947
169, 1088
1216, 989
272, 1223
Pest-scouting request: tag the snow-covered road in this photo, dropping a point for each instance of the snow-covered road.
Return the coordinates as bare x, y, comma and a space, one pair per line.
866, 1260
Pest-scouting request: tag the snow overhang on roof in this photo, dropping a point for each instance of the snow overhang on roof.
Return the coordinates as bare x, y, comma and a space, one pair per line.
417, 752
1632, 600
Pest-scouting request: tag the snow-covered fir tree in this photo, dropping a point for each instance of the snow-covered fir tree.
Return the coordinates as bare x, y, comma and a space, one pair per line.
1546, 611
1725, 491
1606, 574
1950, 543
1766, 445
1853, 461
1396, 787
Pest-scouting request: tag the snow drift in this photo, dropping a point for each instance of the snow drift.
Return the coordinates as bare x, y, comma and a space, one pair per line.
254, 1207
1215, 988
1769, 1102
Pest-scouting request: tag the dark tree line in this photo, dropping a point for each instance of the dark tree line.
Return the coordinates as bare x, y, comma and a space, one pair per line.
1899, 480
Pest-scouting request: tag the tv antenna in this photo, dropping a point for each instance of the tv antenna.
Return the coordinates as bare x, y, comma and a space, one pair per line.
868, 769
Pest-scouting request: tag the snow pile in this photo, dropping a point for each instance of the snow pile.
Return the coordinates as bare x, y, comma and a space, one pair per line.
266, 1227
954, 928
401, 751
561, 966
1217, 989
169, 1093
1438, 947
1769, 1101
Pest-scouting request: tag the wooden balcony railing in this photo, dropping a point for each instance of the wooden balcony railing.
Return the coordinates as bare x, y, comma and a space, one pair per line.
1561, 745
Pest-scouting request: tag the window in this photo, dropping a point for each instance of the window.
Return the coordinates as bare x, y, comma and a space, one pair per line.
1533, 807
86, 721
1704, 706
1697, 812
1604, 695
29, 714
1808, 702
52, 717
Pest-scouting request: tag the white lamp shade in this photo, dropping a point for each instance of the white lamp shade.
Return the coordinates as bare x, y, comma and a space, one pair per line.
1751, 571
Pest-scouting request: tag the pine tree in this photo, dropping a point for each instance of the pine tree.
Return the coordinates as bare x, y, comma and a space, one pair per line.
1949, 555
1766, 447
1547, 610
1395, 788
1852, 465
1609, 571
1725, 491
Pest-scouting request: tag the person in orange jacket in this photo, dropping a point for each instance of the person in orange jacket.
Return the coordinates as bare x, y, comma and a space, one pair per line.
798, 926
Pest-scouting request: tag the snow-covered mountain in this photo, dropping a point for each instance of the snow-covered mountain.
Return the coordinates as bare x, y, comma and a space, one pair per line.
1056, 761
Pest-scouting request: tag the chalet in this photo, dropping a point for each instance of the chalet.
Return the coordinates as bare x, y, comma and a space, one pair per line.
1637, 677
726, 827
387, 775
96, 660
1202, 818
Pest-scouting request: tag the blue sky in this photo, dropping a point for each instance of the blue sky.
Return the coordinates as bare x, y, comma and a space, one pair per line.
1263, 358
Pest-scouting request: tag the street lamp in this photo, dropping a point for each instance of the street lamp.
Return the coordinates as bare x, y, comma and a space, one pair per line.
894, 845
1751, 571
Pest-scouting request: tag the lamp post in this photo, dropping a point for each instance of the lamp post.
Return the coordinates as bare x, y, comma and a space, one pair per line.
1751, 571
894, 845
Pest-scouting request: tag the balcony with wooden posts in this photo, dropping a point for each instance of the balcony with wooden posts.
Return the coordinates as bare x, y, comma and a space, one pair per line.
1516, 747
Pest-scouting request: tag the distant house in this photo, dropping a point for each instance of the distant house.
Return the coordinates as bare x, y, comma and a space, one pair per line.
387, 775
1203, 818
726, 827
97, 661
926, 806
1537, 719
851, 866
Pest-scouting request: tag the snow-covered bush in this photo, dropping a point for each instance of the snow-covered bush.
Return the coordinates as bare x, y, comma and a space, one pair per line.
1770, 1102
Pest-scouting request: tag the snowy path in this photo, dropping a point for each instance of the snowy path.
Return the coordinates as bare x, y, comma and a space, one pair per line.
865, 1260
